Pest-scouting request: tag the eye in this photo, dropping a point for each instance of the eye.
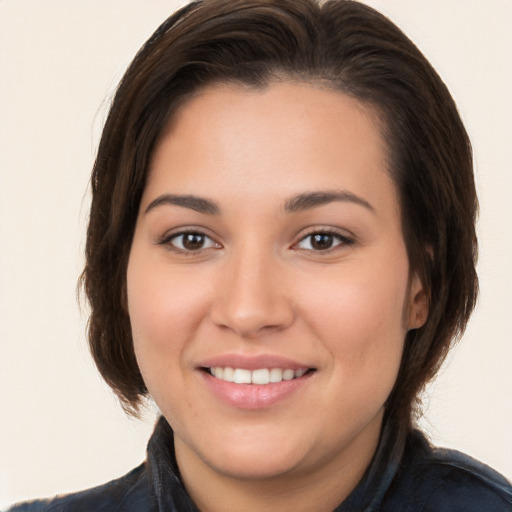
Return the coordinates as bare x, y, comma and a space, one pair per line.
323, 241
190, 241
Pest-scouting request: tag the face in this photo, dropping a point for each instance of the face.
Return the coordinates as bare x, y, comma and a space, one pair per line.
268, 282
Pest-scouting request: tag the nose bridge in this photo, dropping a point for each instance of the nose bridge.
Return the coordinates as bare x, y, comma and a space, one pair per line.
251, 297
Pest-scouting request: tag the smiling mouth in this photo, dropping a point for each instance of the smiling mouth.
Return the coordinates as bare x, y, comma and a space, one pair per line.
260, 376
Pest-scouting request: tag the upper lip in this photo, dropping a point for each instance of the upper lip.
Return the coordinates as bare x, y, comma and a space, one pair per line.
252, 362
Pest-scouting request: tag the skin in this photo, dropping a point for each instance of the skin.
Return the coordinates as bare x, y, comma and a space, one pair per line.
258, 285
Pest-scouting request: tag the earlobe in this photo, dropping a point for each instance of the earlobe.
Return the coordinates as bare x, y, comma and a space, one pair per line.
418, 310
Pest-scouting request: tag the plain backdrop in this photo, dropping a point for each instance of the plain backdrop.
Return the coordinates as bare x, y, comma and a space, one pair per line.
61, 429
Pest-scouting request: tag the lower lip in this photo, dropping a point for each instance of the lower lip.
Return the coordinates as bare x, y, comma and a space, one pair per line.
254, 396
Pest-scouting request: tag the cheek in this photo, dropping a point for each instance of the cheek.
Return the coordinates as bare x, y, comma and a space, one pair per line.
158, 295
358, 300
164, 310
359, 317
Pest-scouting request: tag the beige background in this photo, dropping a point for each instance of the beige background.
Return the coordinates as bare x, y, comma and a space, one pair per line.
60, 427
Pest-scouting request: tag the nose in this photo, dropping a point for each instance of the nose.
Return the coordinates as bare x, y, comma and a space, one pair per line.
252, 297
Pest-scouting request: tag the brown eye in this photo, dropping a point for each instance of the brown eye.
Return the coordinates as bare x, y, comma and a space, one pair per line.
323, 241
192, 241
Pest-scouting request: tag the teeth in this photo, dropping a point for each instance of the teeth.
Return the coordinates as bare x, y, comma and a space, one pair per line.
242, 376
228, 375
276, 375
288, 374
261, 376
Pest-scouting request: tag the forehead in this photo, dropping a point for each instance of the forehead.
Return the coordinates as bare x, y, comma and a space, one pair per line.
282, 139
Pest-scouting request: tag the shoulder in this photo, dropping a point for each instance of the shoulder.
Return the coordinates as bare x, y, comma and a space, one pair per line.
440, 480
130, 493
463, 484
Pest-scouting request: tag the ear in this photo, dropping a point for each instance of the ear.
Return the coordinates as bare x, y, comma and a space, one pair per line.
418, 304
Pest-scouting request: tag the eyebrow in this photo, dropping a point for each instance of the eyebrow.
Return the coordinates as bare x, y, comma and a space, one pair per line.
298, 203
199, 204
310, 200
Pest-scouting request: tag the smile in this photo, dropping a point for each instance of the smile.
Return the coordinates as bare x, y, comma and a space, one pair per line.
261, 376
257, 388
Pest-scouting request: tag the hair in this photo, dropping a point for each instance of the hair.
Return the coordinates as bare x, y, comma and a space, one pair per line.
346, 46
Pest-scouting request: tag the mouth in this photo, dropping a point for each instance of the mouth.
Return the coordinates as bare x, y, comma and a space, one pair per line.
260, 376
256, 382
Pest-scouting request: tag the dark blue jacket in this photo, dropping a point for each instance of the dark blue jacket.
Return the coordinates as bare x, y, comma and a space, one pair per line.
424, 479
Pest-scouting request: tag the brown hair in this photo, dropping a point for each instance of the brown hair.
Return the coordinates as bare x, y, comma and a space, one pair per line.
347, 46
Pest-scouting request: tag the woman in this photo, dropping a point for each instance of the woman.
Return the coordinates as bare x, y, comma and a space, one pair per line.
280, 253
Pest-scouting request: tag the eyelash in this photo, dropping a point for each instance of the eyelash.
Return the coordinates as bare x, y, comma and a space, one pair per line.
169, 239
342, 240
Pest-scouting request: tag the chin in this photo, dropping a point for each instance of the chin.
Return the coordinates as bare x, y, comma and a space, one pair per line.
246, 455
260, 466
